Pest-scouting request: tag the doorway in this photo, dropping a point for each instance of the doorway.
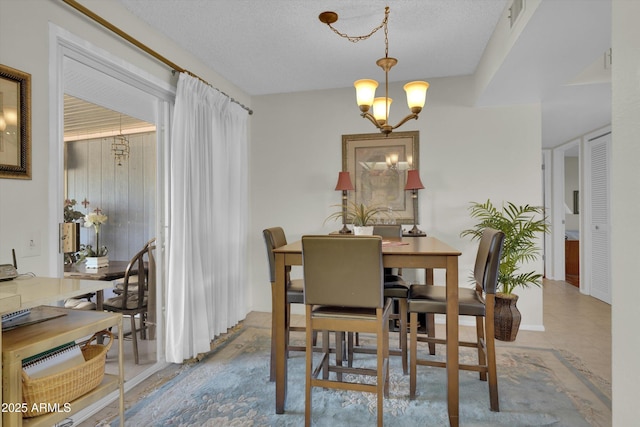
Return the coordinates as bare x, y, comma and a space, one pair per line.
110, 165
93, 81
565, 219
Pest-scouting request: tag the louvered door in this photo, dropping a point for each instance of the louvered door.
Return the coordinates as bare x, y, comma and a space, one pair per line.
599, 263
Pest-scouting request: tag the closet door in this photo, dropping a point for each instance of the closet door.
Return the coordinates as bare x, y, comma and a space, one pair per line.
598, 203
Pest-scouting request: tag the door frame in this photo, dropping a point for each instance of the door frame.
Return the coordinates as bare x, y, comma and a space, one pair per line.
63, 46
557, 220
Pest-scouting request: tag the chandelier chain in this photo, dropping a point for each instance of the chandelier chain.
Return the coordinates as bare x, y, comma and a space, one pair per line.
356, 39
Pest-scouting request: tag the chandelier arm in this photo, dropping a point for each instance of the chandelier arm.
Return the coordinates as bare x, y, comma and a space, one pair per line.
371, 119
406, 119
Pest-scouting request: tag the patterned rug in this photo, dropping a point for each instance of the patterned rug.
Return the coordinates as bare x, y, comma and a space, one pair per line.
230, 387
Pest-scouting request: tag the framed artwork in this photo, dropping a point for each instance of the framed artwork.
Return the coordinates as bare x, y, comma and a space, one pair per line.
15, 123
378, 166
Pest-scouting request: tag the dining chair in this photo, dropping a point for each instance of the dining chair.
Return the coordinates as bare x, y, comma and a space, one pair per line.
478, 302
133, 297
274, 238
344, 292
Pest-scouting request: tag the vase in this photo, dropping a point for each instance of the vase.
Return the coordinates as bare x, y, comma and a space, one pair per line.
96, 262
363, 230
506, 317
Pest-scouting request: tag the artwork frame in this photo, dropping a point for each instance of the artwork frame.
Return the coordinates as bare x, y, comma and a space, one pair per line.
378, 165
15, 123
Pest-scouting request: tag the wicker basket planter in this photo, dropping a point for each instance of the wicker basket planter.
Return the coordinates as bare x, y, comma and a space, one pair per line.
506, 317
66, 386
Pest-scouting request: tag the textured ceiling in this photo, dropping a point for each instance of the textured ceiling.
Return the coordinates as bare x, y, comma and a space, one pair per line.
279, 46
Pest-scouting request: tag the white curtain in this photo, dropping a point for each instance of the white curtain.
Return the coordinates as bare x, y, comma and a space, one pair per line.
208, 219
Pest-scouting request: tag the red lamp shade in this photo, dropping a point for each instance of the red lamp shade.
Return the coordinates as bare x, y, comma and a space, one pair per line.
413, 181
344, 182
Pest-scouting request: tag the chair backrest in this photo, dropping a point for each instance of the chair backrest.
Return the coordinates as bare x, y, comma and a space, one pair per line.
145, 277
151, 265
343, 271
274, 237
388, 230
488, 260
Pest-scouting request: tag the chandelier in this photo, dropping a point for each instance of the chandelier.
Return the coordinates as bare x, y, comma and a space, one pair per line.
366, 88
120, 146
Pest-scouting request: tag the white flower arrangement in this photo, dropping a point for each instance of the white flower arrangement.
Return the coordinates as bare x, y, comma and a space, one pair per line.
95, 219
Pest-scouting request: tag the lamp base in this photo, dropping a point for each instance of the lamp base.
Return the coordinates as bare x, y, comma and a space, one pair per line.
416, 232
345, 230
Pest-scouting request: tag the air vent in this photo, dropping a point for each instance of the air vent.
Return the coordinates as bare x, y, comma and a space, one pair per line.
515, 10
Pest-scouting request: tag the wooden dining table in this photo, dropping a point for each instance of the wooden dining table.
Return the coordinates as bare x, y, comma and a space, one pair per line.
115, 270
419, 253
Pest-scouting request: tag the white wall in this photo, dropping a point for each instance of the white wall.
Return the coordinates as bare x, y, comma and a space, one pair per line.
625, 205
25, 205
466, 154
295, 150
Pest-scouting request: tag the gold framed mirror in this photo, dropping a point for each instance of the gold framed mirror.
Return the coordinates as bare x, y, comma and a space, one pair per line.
15, 123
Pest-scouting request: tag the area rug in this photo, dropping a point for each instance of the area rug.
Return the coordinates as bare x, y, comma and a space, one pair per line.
538, 387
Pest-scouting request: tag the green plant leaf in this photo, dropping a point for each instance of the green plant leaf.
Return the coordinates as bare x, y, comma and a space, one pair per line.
521, 225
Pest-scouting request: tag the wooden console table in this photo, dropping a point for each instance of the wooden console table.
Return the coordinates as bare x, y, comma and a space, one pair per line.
16, 344
23, 342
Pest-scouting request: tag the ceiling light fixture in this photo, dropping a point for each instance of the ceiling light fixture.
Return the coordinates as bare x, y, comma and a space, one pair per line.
366, 88
120, 146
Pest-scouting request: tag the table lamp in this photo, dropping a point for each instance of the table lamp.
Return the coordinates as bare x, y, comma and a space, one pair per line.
344, 184
414, 184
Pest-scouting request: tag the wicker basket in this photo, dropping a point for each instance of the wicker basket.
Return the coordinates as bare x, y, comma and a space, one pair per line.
65, 386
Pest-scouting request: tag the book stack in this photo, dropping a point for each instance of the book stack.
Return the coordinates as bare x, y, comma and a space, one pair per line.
53, 361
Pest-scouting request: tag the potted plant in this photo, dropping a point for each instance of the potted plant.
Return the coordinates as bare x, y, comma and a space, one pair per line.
362, 217
520, 225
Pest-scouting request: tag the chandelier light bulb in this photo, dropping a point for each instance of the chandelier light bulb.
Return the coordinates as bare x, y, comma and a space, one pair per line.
416, 95
381, 109
365, 92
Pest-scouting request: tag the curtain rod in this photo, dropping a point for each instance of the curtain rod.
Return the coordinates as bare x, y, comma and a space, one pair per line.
74, 4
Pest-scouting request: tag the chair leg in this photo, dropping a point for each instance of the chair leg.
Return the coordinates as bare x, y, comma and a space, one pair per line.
134, 338
143, 326
287, 325
272, 363
381, 375
325, 350
403, 334
339, 352
431, 332
350, 349
491, 363
309, 365
413, 354
480, 339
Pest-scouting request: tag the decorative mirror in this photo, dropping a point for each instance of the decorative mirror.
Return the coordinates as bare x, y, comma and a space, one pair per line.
15, 123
